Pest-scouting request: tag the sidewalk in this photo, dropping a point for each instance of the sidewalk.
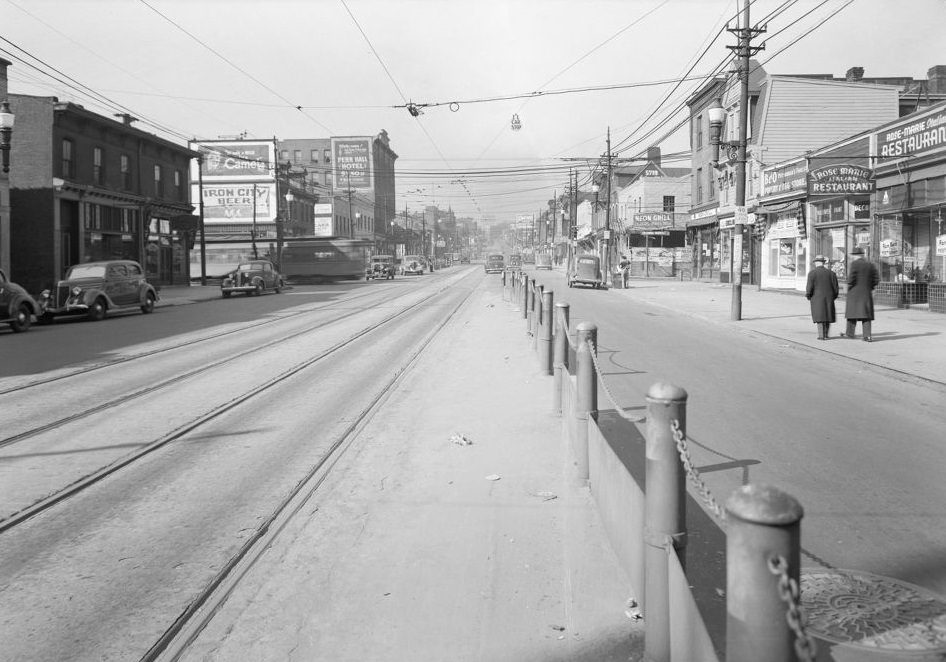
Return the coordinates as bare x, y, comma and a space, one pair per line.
906, 341
418, 547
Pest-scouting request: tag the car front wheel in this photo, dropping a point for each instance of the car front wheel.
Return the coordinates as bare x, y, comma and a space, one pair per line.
148, 305
97, 311
259, 290
21, 321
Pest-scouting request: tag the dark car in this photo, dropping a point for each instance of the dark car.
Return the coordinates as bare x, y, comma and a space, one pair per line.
252, 277
413, 264
382, 266
495, 264
17, 307
94, 289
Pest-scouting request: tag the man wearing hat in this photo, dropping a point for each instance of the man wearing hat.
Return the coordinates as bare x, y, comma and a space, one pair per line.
821, 291
861, 280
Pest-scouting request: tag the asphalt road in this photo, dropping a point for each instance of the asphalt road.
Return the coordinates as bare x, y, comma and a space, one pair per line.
861, 450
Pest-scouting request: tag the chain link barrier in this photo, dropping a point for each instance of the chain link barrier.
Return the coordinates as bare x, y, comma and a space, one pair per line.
694, 475
559, 328
805, 647
634, 418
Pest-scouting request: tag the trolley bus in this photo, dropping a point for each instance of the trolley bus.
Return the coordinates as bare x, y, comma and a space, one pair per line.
324, 259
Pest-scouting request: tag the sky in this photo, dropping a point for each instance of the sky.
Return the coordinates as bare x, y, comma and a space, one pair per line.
571, 71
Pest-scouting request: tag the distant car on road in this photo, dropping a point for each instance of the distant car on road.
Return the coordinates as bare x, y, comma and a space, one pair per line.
17, 307
253, 277
382, 266
587, 271
95, 289
412, 264
495, 264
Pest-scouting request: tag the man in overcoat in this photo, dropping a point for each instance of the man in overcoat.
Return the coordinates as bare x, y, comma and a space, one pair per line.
862, 278
821, 291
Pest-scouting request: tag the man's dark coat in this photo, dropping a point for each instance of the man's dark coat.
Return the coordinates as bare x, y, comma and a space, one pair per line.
861, 280
822, 290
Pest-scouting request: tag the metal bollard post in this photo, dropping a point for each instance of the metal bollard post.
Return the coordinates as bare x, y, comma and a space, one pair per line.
560, 358
587, 398
530, 303
664, 513
524, 287
537, 314
545, 334
763, 522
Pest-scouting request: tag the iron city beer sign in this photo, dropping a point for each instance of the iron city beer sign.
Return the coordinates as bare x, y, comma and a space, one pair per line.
840, 179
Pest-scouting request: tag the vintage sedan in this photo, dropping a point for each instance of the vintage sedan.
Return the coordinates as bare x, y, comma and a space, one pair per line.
381, 266
17, 307
586, 271
95, 289
252, 277
413, 264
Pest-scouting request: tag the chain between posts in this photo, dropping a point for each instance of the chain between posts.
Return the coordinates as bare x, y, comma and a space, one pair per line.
630, 417
805, 646
694, 475
568, 338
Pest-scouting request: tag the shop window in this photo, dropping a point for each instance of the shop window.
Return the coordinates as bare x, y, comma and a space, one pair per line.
892, 198
787, 258
98, 168
68, 165
917, 194
936, 190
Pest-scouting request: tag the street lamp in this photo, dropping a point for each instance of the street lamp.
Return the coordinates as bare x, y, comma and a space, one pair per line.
717, 115
6, 132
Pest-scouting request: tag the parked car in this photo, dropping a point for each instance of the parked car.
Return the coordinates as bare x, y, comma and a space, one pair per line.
412, 264
17, 307
252, 277
95, 289
381, 266
515, 261
495, 264
586, 271
543, 261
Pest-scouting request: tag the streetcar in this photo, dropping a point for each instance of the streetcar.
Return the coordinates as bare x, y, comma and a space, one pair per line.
321, 259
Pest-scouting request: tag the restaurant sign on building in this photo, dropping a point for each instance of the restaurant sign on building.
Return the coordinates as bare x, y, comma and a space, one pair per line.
840, 179
653, 221
912, 138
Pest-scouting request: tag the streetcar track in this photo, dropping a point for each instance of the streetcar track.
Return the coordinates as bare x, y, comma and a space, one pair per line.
198, 614
85, 369
87, 481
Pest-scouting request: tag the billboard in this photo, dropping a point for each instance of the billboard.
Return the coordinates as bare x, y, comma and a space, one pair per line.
234, 203
352, 161
236, 160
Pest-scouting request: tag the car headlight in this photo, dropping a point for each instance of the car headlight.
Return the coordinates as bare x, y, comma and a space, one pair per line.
76, 291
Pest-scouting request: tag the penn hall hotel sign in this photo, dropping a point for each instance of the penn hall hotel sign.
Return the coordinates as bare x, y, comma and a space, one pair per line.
912, 138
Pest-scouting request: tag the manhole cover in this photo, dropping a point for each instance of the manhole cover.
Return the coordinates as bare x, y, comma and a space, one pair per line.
853, 607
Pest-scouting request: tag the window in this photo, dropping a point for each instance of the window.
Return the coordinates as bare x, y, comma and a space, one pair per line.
711, 186
284, 154
297, 155
178, 185
699, 132
158, 181
126, 172
68, 165
98, 174
699, 185
327, 155
314, 156
669, 203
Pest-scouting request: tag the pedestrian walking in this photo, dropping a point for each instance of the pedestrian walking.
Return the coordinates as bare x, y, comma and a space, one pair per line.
821, 291
862, 278
625, 266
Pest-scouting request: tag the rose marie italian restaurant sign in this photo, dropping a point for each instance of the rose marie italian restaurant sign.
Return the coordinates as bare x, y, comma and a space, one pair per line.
841, 179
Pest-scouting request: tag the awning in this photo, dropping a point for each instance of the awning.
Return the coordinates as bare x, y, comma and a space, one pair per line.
776, 208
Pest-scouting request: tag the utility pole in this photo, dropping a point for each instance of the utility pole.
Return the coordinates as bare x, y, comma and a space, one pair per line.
203, 235
253, 231
351, 219
607, 220
743, 51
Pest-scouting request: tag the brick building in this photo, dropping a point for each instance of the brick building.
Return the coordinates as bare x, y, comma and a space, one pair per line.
87, 187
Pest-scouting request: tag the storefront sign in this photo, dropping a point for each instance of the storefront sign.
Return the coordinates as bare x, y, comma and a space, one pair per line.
322, 226
655, 221
861, 208
912, 137
841, 179
890, 247
941, 244
351, 159
785, 179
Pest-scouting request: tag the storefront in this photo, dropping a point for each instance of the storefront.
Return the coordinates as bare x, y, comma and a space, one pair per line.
783, 228
703, 236
839, 208
908, 231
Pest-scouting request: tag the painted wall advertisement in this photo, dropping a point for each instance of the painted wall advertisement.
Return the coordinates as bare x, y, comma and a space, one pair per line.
790, 178
234, 203
237, 160
351, 159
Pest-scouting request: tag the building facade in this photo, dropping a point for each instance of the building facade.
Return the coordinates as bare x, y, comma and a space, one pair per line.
87, 187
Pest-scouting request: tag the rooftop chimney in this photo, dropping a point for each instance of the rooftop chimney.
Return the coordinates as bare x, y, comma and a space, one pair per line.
653, 155
937, 79
854, 74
